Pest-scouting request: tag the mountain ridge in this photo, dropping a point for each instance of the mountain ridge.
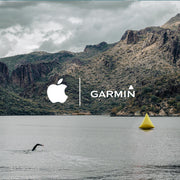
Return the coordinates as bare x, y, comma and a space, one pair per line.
173, 23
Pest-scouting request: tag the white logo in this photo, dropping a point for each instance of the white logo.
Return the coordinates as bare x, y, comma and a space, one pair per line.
56, 93
114, 94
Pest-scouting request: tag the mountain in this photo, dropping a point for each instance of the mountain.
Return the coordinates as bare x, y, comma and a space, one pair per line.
173, 23
148, 59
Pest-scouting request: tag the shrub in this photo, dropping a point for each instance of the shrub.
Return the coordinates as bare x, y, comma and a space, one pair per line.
178, 98
143, 108
114, 111
171, 102
178, 106
146, 90
155, 99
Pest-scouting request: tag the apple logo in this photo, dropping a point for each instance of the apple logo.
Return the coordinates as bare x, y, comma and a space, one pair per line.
56, 93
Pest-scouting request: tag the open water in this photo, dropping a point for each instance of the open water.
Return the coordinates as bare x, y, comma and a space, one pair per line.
89, 148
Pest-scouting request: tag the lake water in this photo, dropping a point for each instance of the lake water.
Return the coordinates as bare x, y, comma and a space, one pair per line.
89, 148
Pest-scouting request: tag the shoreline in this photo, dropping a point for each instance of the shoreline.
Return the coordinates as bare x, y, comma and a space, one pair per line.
107, 115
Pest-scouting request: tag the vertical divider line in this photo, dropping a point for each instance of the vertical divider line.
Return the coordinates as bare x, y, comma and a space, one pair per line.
79, 91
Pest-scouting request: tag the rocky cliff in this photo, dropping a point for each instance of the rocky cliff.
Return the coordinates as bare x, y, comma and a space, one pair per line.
29, 73
4, 74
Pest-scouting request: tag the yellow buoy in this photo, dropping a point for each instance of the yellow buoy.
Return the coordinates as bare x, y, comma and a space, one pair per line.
147, 123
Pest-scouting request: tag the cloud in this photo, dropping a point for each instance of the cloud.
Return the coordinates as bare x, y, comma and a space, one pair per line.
54, 26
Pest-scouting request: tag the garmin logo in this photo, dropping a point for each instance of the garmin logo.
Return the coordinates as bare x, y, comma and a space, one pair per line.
114, 94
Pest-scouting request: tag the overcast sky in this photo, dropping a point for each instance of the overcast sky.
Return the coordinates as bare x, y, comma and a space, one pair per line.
56, 26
